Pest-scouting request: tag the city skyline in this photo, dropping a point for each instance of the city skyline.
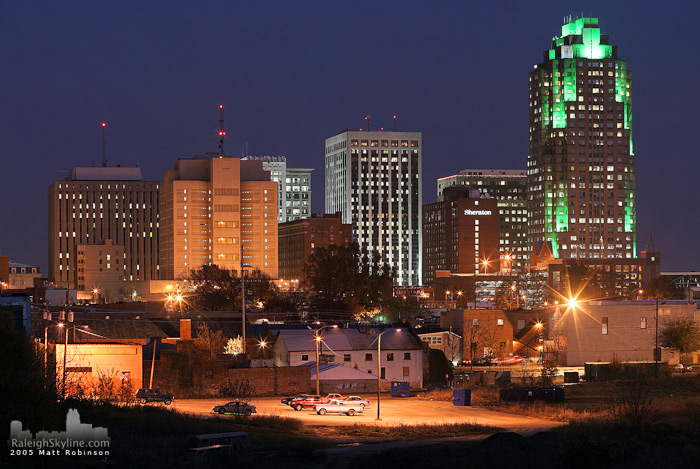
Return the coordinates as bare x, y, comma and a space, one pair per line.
288, 91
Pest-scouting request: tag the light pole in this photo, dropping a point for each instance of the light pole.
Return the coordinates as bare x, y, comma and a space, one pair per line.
318, 339
379, 367
95, 295
657, 352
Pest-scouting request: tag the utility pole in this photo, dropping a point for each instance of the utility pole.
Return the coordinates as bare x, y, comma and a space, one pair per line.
657, 352
153, 363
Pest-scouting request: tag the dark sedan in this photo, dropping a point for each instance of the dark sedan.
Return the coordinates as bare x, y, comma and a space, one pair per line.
235, 407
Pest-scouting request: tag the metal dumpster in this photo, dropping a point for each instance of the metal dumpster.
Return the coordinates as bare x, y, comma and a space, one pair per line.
462, 397
400, 389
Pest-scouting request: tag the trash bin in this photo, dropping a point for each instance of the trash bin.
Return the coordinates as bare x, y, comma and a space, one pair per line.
462, 397
400, 389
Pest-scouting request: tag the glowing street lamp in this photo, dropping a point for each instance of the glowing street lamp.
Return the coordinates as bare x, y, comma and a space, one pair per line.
319, 339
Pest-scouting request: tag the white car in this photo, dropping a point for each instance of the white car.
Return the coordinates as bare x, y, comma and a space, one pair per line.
339, 407
357, 400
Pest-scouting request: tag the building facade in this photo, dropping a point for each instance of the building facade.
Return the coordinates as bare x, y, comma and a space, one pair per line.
509, 188
22, 275
98, 203
293, 187
401, 352
218, 210
581, 163
299, 238
374, 180
99, 269
604, 331
460, 234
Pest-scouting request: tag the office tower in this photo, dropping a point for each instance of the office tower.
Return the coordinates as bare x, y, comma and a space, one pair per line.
509, 188
213, 210
581, 164
460, 234
299, 238
94, 204
374, 180
293, 187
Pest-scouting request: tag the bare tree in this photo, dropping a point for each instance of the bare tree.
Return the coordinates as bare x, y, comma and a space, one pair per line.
208, 339
682, 334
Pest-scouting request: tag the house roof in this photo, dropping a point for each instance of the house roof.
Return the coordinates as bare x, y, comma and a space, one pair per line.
347, 340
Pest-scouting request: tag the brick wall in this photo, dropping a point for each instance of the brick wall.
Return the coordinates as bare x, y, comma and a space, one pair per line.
191, 374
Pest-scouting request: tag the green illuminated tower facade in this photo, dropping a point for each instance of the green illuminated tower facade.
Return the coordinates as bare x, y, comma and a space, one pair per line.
581, 164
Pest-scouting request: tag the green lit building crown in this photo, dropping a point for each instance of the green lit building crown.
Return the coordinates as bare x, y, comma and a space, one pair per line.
581, 164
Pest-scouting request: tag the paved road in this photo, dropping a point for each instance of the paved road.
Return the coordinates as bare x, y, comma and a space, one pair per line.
393, 411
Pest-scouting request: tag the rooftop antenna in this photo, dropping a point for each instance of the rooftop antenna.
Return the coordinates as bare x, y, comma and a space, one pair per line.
367, 118
222, 132
394, 122
104, 145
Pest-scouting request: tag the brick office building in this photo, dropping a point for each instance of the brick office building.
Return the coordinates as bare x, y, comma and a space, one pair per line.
460, 234
299, 238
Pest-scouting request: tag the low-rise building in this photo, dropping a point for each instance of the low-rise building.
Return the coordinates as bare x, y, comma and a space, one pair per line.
401, 351
299, 238
22, 275
449, 342
486, 333
604, 331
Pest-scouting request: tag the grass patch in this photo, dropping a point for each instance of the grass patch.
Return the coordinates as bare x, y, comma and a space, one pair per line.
580, 445
674, 401
156, 436
376, 433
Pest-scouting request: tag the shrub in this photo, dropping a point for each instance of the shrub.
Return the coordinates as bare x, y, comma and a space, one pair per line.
634, 406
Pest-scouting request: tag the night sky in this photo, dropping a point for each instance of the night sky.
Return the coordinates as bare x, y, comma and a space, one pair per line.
291, 74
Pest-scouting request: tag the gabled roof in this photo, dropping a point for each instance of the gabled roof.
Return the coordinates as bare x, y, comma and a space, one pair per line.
348, 340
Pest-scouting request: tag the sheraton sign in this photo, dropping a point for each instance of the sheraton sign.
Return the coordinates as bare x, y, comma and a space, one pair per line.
477, 212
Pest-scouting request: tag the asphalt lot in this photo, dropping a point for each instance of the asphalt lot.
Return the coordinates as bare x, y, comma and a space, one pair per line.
408, 411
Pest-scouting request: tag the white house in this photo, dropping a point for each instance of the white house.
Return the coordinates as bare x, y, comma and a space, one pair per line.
401, 351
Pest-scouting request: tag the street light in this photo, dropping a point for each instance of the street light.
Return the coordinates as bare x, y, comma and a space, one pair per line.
318, 339
379, 367
486, 264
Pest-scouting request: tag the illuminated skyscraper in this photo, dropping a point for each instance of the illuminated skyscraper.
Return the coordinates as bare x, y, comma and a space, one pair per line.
213, 209
581, 164
374, 180
94, 204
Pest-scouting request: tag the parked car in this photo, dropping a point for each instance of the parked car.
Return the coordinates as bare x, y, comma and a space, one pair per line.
335, 406
357, 400
153, 395
235, 407
338, 397
680, 368
307, 402
465, 362
288, 400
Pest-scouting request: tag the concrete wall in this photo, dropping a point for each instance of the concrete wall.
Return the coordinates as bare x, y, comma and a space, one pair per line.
85, 363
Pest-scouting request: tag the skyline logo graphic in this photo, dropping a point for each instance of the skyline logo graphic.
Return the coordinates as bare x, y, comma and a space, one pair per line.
79, 439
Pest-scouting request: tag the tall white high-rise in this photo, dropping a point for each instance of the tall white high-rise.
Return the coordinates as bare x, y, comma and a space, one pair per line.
374, 180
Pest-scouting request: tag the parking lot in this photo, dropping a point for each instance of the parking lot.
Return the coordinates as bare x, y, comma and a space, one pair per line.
408, 411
